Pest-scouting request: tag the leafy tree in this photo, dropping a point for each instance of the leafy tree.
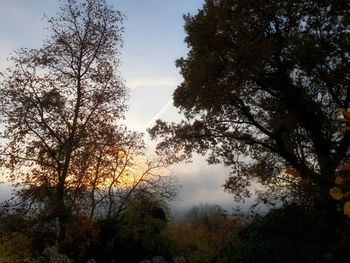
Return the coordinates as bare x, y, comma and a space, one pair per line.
144, 219
137, 234
62, 144
262, 85
210, 216
60, 103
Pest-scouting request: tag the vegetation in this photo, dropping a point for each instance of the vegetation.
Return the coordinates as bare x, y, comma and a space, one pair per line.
59, 103
262, 85
63, 149
265, 86
291, 234
204, 233
262, 90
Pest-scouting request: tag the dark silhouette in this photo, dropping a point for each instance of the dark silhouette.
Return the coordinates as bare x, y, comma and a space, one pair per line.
262, 85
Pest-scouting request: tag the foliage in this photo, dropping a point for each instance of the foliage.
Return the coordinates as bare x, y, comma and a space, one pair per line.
52, 255
64, 148
137, 234
209, 216
60, 100
144, 220
16, 247
292, 233
262, 85
341, 191
203, 233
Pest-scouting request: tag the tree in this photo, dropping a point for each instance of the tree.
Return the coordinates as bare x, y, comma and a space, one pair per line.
203, 233
60, 102
144, 220
291, 230
109, 175
209, 216
61, 105
137, 234
262, 85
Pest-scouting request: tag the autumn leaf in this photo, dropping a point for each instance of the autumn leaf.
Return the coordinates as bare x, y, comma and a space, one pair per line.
336, 193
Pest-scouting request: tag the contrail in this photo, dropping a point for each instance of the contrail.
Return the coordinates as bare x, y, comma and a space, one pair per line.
156, 116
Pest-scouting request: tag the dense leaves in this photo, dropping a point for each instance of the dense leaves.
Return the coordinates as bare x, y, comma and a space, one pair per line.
262, 85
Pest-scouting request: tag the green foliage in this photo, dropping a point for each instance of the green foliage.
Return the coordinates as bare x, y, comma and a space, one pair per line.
262, 84
143, 223
139, 232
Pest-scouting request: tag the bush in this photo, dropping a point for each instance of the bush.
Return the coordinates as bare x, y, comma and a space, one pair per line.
292, 234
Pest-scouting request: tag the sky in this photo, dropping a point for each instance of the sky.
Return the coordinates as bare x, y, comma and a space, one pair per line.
153, 40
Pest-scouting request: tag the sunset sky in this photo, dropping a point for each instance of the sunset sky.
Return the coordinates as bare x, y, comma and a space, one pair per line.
153, 40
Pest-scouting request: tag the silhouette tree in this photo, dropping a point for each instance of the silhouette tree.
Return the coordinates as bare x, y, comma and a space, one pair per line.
60, 102
262, 85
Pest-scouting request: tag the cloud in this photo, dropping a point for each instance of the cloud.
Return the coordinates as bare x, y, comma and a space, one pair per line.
202, 183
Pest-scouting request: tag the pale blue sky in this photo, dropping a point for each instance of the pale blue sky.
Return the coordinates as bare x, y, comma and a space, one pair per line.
153, 40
